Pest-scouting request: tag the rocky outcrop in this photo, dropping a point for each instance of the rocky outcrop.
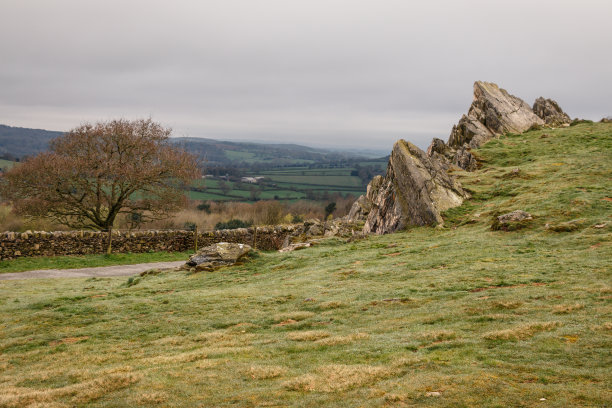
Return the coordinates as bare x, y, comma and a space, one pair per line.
493, 112
217, 255
465, 159
415, 191
550, 111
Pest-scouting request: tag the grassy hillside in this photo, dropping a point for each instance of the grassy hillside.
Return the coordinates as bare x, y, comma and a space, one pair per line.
458, 316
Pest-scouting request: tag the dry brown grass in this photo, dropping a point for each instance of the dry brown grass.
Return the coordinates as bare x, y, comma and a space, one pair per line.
607, 326
564, 309
302, 383
268, 212
439, 335
339, 377
19, 397
338, 340
152, 398
309, 335
264, 372
185, 357
521, 332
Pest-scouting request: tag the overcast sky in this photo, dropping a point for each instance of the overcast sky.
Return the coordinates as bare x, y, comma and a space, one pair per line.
355, 73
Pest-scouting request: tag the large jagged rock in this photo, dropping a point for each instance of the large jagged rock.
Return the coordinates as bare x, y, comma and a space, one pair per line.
415, 190
493, 112
448, 157
550, 111
217, 255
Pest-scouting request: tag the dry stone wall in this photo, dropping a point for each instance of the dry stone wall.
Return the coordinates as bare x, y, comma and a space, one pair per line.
40, 243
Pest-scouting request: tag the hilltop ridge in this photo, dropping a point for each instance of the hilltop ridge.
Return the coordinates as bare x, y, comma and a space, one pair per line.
417, 186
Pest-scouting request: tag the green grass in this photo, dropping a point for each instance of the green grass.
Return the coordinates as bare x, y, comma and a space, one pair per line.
239, 155
289, 184
480, 317
6, 164
86, 261
315, 179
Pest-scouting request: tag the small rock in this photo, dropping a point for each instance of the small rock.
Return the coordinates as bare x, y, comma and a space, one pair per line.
511, 221
218, 255
433, 394
603, 225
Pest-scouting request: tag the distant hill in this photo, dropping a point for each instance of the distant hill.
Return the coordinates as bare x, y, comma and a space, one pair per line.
16, 142
216, 152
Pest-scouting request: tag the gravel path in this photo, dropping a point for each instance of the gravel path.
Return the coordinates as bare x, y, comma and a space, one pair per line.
102, 271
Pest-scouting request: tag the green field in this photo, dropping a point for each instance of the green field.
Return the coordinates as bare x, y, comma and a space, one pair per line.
287, 183
251, 157
6, 164
458, 316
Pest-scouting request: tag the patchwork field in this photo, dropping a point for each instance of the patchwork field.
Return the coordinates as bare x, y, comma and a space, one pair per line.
458, 316
290, 183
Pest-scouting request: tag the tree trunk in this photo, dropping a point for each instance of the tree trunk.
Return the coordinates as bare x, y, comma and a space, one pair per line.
110, 240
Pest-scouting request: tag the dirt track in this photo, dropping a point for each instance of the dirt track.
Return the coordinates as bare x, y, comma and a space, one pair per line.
100, 272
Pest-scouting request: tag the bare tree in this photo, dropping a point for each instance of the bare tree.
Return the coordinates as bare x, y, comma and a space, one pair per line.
93, 173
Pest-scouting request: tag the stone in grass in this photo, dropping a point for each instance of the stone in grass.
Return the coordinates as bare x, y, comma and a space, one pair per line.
217, 255
295, 247
512, 221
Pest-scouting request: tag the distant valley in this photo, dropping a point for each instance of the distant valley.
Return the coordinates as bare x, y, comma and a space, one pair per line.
242, 171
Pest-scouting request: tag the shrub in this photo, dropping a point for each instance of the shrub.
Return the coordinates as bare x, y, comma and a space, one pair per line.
233, 224
204, 206
190, 226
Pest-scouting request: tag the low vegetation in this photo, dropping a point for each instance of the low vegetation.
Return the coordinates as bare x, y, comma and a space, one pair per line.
455, 316
87, 261
206, 215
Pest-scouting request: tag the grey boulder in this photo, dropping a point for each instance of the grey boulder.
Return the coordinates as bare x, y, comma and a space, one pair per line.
218, 255
550, 112
493, 112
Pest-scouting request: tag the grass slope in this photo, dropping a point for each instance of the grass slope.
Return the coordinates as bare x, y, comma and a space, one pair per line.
454, 317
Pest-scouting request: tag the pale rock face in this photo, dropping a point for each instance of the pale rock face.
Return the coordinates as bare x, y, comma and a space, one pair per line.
493, 112
415, 190
218, 255
550, 112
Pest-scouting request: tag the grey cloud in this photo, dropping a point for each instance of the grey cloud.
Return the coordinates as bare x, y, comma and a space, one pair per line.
327, 72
